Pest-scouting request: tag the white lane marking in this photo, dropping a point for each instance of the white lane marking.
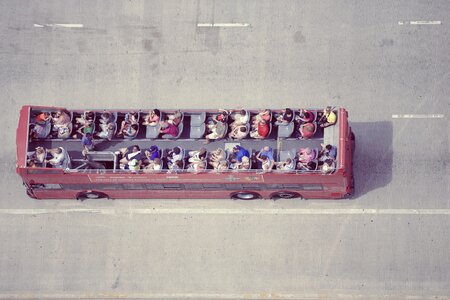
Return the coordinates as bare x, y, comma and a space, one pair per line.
59, 25
330, 294
223, 24
226, 211
418, 116
419, 23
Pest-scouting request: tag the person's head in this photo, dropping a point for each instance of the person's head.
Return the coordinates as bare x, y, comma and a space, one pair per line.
202, 151
262, 122
308, 127
236, 148
135, 148
106, 115
243, 112
245, 159
311, 165
89, 135
156, 112
308, 151
176, 150
266, 148
110, 126
46, 114
243, 129
58, 113
39, 150
153, 149
328, 147
288, 111
328, 109
90, 115
157, 161
58, 150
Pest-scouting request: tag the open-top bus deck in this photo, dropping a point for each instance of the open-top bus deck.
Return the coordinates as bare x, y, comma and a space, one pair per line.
74, 180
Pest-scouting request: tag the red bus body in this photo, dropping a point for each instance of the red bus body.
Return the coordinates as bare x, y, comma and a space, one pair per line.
68, 184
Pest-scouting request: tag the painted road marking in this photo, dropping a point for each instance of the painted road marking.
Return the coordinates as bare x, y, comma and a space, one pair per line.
419, 116
419, 23
226, 211
59, 25
223, 24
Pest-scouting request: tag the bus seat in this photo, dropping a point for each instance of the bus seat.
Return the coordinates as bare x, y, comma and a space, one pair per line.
197, 132
180, 131
198, 119
102, 156
285, 131
285, 154
152, 132
46, 132
64, 133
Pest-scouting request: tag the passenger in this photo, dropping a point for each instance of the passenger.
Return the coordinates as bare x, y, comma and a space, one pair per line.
265, 115
168, 130
265, 156
174, 155
307, 131
287, 165
199, 155
222, 166
61, 119
244, 164
239, 118
39, 154
196, 166
328, 152
216, 157
238, 132
43, 118
153, 165
309, 166
87, 144
175, 119
106, 118
129, 125
150, 154
152, 119
134, 165
130, 130
37, 131
128, 154
328, 166
87, 127
217, 130
175, 166
285, 117
107, 131
238, 154
58, 155
222, 116
304, 116
327, 118
262, 131
306, 155
87, 116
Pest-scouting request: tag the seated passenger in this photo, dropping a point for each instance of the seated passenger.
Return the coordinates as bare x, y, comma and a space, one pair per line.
174, 155
327, 118
106, 117
304, 116
328, 166
287, 165
150, 154
262, 115
262, 130
216, 157
39, 155
168, 130
306, 155
238, 132
134, 165
307, 131
38, 131
196, 156
175, 166
87, 116
328, 152
129, 125
130, 130
58, 155
175, 118
285, 117
87, 127
60, 119
265, 156
239, 118
238, 154
152, 119
216, 130
196, 166
87, 144
43, 118
107, 131
244, 164
153, 165
309, 166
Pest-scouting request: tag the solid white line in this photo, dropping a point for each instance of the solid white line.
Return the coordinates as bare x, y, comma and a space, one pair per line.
59, 25
225, 211
223, 24
419, 116
419, 23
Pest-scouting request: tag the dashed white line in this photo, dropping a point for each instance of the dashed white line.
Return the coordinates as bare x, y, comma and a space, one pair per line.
225, 211
419, 23
59, 25
223, 24
418, 116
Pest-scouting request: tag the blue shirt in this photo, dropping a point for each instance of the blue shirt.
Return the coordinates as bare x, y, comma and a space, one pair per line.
333, 152
86, 142
242, 152
268, 153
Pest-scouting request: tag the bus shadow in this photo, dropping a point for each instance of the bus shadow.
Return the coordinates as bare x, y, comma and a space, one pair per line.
372, 161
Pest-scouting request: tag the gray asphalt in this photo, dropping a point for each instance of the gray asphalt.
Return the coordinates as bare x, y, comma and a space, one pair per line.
391, 241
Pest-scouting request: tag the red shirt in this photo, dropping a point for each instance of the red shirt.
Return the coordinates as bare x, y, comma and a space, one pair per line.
172, 130
263, 130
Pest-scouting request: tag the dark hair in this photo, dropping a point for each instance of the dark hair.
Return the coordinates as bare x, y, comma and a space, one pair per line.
328, 147
243, 112
136, 147
134, 126
311, 165
263, 157
88, 135
90, 115
106, 115
288, 111
243, 129
157, 112
329, 162
176, 150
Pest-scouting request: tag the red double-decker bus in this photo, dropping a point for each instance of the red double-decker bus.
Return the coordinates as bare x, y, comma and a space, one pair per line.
105, 171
